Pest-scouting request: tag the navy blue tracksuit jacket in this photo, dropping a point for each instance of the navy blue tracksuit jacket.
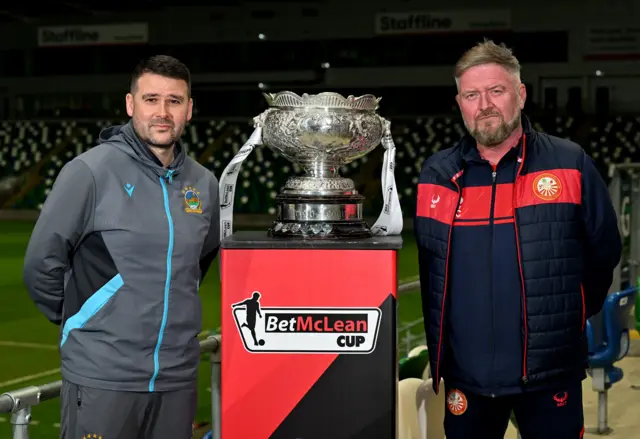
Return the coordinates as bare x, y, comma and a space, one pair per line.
513, 260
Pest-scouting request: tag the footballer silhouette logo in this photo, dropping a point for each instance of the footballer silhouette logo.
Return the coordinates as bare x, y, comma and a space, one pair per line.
252, 312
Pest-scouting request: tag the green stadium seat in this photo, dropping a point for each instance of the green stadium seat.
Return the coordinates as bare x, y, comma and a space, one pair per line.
26, 143
413, 366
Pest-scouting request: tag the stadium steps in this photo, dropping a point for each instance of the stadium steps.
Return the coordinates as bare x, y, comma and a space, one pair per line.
33, 177
214, 146
10, 186
368, 180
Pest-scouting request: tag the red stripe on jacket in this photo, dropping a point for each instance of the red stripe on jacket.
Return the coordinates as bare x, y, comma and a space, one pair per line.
544, 187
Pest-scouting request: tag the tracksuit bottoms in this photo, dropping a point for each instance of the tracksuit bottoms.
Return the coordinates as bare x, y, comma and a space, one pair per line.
95, 413
554, 413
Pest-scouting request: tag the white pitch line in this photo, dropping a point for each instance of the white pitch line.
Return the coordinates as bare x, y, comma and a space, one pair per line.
29, 377
20, 344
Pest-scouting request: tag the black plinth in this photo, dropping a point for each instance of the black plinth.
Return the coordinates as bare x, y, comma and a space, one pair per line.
261, 239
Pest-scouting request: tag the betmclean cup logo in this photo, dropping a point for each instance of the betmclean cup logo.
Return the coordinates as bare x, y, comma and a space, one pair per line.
305, 330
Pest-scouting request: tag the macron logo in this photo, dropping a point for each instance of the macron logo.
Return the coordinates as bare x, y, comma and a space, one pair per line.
129, 188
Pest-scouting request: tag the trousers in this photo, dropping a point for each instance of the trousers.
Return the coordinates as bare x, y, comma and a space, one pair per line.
554, 413
95, 413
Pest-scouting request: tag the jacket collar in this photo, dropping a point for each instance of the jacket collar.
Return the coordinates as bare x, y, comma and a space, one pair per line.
451, 166
142, 150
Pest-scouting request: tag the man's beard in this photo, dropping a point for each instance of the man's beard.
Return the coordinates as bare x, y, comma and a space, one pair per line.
164, 145
495, 135
147, 137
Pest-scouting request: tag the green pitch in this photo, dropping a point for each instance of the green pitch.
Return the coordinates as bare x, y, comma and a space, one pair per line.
28, 342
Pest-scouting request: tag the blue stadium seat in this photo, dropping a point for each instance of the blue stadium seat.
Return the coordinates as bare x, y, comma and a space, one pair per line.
608, 342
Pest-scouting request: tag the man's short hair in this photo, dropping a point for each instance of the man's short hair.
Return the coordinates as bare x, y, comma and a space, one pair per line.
163, 65
487, 52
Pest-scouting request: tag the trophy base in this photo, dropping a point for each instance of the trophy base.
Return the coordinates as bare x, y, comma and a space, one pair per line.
319, 187
320, 217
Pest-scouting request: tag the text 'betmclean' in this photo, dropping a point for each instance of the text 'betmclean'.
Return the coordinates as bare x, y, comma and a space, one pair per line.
322, 323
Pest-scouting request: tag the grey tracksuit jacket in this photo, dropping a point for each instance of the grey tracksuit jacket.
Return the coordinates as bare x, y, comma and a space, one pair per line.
116, 258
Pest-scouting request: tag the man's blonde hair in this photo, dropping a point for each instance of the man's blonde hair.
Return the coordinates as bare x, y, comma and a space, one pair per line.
488, 52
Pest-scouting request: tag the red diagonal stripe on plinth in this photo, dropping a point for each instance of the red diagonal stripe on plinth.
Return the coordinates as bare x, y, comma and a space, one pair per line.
277, 384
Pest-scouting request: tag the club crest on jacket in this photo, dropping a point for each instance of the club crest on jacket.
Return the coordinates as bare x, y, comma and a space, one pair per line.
547, 186
192, 200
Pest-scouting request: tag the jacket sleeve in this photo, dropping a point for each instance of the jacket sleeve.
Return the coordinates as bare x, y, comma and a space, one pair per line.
212, 240
603, 246
66, 217
423, 252
423, 272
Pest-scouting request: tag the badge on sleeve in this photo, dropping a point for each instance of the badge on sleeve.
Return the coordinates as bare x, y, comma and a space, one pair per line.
456, 402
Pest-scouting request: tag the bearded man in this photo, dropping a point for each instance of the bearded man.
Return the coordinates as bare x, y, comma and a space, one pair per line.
517, 243
116, 259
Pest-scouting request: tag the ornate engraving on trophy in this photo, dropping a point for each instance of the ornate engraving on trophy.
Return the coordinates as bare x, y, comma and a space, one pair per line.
320, 133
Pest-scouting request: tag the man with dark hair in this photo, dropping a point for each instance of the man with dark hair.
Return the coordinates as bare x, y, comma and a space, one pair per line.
116, 258
517, 242
162, 65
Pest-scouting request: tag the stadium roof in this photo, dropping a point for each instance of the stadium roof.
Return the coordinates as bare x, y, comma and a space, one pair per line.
34, 11
28, 11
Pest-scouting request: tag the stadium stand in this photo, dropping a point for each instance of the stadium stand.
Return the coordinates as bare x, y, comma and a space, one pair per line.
40, 148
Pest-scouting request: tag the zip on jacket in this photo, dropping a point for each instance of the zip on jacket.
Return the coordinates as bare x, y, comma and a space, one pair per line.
484, 300
455, 179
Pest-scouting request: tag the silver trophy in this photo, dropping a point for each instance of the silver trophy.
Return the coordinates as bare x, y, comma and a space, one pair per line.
320, 133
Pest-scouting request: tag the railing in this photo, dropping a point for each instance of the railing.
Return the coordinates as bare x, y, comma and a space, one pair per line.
410, 333
408, 287
20, 402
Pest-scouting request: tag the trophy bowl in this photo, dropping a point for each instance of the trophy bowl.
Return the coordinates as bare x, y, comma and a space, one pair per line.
320, 133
